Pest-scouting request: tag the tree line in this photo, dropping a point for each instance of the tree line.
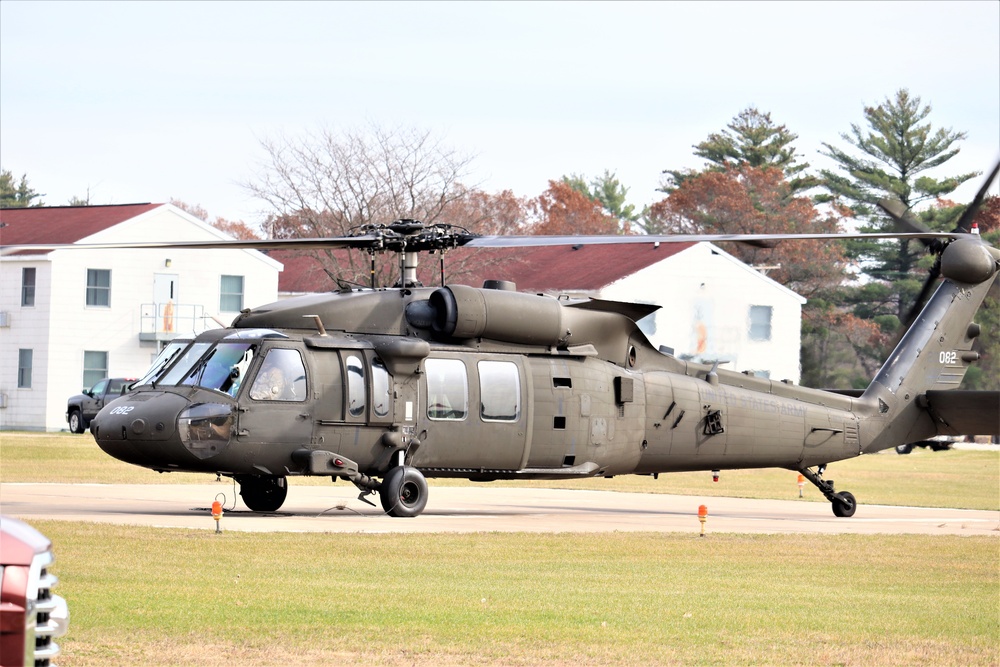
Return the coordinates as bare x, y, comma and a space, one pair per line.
860, 293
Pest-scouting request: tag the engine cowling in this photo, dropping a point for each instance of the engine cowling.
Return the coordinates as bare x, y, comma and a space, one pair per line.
462, 312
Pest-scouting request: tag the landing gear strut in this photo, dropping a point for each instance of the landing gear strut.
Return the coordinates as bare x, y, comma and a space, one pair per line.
843, 502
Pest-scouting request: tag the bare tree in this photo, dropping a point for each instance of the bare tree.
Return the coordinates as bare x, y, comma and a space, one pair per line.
334, 181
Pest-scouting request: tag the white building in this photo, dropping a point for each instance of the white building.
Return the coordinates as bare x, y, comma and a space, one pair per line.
713, 306
70, 317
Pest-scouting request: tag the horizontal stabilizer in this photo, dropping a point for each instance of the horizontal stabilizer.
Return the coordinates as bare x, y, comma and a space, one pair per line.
963, 412
633, 311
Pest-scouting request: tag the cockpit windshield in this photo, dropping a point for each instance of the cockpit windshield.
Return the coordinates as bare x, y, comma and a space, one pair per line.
224, 368
213, 364
221, 367
163, 359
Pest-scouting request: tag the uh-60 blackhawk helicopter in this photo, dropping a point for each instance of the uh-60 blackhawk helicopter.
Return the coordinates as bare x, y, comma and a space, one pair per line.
386, 387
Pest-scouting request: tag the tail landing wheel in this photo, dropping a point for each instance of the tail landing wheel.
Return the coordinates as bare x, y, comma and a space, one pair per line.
843, 502
844, 505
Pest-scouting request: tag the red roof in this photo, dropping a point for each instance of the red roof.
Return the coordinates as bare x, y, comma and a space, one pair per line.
536, 269
62, 224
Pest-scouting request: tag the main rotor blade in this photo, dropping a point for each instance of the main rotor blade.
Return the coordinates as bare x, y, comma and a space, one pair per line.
236, 244
531, 241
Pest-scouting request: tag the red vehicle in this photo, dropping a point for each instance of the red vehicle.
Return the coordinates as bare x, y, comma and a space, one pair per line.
31, 617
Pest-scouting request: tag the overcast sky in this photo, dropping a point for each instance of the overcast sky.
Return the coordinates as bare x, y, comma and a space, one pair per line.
147, 101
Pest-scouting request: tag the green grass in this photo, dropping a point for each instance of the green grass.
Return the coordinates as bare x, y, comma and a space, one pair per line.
957, 478
179, 597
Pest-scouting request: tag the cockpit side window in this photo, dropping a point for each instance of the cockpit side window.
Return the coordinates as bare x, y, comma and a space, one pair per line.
447, 389
281, 377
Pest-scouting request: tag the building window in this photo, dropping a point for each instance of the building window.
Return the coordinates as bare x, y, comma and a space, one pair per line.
447, 389
760, 322
28, 286
99, 287
95, 367
24, 369
231, 294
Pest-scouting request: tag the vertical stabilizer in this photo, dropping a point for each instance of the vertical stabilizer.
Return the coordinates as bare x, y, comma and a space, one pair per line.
936, 350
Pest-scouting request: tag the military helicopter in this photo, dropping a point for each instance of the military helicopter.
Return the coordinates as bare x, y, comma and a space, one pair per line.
386, 387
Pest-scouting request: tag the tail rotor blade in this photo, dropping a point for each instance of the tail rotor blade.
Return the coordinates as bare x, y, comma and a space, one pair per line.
965, 222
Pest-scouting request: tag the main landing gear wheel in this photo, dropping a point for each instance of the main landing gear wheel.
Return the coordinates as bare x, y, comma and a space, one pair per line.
262, 494
403, 492
844, 505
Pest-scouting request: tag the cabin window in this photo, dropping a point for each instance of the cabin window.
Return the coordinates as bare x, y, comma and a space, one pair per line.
760, 322
356, 396
28, 286
95, 367
99, 287
24, 362
282, 377
447, 389
381, 388
499, 391
231, 294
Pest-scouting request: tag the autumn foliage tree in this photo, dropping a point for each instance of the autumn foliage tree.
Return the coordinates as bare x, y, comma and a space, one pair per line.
758, 200
563, 209
743, 199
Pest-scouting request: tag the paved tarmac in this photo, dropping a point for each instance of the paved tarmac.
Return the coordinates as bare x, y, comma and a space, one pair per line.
336, 508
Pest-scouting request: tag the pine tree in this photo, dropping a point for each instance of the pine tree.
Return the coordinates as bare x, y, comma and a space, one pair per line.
16, 195
890, 159
754, 139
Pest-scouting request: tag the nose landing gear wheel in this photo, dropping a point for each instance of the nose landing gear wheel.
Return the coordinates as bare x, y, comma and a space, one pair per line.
403, 492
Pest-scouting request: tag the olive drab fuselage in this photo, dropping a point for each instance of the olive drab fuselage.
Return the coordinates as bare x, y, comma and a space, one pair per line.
485, 384
588, 397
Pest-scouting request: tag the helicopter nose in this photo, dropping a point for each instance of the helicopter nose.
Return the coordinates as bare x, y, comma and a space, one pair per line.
137, 427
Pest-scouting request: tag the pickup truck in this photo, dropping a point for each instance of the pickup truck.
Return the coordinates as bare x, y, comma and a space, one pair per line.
31, 617
80, 409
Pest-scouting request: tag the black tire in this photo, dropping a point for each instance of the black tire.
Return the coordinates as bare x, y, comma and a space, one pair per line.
403, 492
904, 449
845, 505
262, 494
76, 422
